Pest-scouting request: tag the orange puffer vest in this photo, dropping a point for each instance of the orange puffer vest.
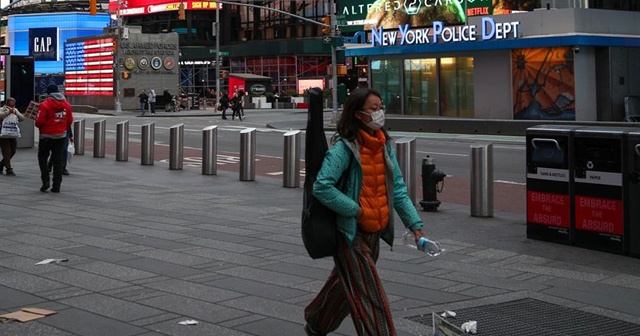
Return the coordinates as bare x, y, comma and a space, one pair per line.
373, 195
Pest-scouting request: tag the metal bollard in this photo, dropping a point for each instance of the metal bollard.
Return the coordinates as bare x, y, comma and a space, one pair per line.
406, 153
248, 154
148, 141
99, 138
210, 150
122, 141
482, 180
291, 169
78, 136
176, 146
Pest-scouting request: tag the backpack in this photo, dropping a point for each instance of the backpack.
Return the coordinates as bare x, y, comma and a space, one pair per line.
319, 229
10, 127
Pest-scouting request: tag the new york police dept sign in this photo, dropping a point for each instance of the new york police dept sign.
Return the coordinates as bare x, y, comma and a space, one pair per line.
438, 33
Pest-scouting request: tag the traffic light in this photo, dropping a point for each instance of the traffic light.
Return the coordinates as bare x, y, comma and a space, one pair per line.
326, 30
93, 7
181, 13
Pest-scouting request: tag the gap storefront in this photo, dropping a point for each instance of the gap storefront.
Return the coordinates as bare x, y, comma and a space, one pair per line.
43, 36
565, 64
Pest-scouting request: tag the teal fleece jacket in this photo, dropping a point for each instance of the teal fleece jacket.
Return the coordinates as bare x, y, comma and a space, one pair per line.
345, 204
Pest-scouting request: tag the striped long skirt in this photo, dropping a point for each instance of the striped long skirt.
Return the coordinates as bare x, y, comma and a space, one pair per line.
353, 287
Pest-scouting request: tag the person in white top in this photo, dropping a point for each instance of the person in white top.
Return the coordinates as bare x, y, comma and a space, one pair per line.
9, 145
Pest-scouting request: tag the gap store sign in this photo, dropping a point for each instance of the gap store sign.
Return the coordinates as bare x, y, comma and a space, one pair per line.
43, 44
439, 33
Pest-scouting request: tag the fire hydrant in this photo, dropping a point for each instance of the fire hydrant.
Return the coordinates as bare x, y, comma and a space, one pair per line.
430, 179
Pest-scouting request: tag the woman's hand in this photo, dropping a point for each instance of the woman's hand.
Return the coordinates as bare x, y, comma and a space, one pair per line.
419, 233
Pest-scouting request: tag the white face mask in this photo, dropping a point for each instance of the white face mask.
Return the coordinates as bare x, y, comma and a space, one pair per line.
377, 119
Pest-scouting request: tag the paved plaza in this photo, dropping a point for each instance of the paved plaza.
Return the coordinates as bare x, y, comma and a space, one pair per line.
149, 247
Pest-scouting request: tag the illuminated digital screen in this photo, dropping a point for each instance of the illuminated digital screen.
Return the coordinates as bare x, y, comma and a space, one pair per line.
88, 67
358, 15
141, 7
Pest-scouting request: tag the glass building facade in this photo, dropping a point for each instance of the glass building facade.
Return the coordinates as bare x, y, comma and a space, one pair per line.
439, 86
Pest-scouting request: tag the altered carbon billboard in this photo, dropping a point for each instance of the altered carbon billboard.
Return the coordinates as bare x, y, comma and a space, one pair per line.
358, 15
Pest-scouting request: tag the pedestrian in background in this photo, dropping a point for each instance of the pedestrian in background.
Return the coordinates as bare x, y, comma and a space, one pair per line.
236, 102
9, 145
54, 118
152, 101
374, 186
242, 96
144, 101
224, 104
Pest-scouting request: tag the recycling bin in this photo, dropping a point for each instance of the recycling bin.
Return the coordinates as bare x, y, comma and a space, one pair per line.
632, 212
549, 188
599, 199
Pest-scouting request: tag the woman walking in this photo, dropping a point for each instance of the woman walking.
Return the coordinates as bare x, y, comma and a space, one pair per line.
9, 145
364, 215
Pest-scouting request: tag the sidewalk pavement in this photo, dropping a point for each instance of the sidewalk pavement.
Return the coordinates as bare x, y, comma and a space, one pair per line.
149, 247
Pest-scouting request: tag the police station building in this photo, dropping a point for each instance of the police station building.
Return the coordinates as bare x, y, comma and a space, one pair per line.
558, 64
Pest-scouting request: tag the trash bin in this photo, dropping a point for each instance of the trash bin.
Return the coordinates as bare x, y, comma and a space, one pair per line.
549, 175
195, 101
598, 188
632, 182
632, 108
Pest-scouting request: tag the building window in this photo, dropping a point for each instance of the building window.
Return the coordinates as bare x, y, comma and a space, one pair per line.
456, 87
421, 87
385, 78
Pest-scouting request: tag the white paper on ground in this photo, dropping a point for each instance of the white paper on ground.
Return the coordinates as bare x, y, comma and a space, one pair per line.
188, 322
470, 327
448, 313
51, 261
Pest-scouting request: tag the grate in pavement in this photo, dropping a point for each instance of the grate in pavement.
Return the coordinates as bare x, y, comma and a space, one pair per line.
530, 317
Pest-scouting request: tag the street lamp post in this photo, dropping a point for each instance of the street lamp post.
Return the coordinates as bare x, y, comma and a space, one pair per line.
334, 65
116, 64
217, 32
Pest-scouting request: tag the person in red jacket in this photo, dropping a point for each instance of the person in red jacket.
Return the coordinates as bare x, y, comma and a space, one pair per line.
53, 120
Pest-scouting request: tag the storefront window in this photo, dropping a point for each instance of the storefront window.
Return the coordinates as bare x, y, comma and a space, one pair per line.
385, 78
456, 87
421, 87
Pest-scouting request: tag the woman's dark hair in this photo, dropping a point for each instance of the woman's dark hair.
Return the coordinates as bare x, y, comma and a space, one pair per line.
349, 125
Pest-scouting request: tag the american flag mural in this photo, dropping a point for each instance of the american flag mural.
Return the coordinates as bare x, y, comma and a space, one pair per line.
88, 67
